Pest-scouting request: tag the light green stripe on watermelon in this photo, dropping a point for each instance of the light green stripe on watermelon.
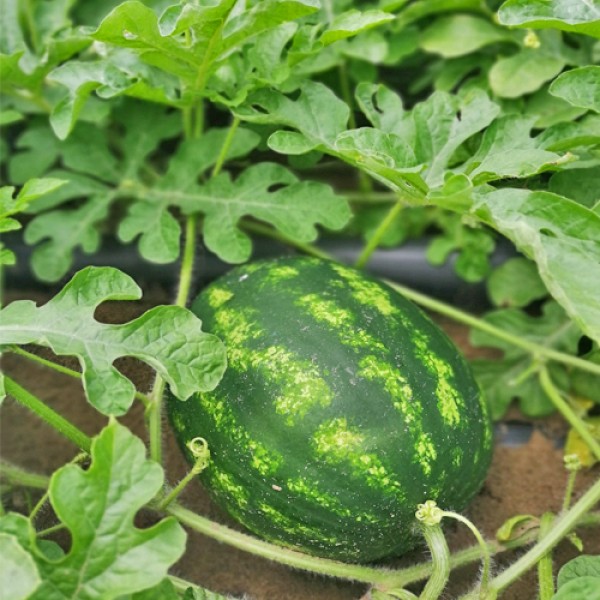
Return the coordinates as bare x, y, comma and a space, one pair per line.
397, 386
300, 384
375, 368
265, 461
327, 311
448, 399
236, 493
307, 490
295, 528
337, 443
366, 292
218, 296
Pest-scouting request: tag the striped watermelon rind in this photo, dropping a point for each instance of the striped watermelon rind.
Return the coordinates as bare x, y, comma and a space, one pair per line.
343, 407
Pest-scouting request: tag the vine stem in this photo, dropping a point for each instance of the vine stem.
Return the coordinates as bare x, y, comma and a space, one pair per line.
563, 525
225, 147
567, 412
377, 236
66, 428
383, 578
154, 409
61, 369
485, 553
440, 562
545, 575
25, 478
278, 554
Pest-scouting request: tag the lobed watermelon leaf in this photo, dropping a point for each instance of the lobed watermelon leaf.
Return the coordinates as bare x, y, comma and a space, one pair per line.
511, 377
169, 338
562, 236
109, 557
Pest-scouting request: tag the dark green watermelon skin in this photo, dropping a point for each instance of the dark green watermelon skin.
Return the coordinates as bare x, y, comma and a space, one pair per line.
343, 407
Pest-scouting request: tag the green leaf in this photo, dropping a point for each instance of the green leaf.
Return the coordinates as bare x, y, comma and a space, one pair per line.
581, 185
62, 231
87, 151
40, 150
169, 338
318, 113
515, 283
442, 123
150, 218
579, 87
9, 206
581, 566
566, 136
515, 527
263, 16
352, 22
294, 208
10, 116
550, 110
587, 588
118, 74
473, 245
562, 237
197, 593
133, 25
523, 73
507, 150
568, 15
385, 155
32, 190
381, 105
165, 590
18, 571
460, 34
109, 557
512, 377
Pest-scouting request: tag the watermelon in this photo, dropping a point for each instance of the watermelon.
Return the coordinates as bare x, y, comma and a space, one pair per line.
343, 407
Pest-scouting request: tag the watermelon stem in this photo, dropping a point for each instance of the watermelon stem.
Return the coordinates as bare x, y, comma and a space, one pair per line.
545, 576
430, 517
573, 466
486, 558
62, 369
47, 414
377, 236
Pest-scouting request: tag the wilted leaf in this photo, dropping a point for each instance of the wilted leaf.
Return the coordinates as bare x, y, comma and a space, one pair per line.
169, 338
